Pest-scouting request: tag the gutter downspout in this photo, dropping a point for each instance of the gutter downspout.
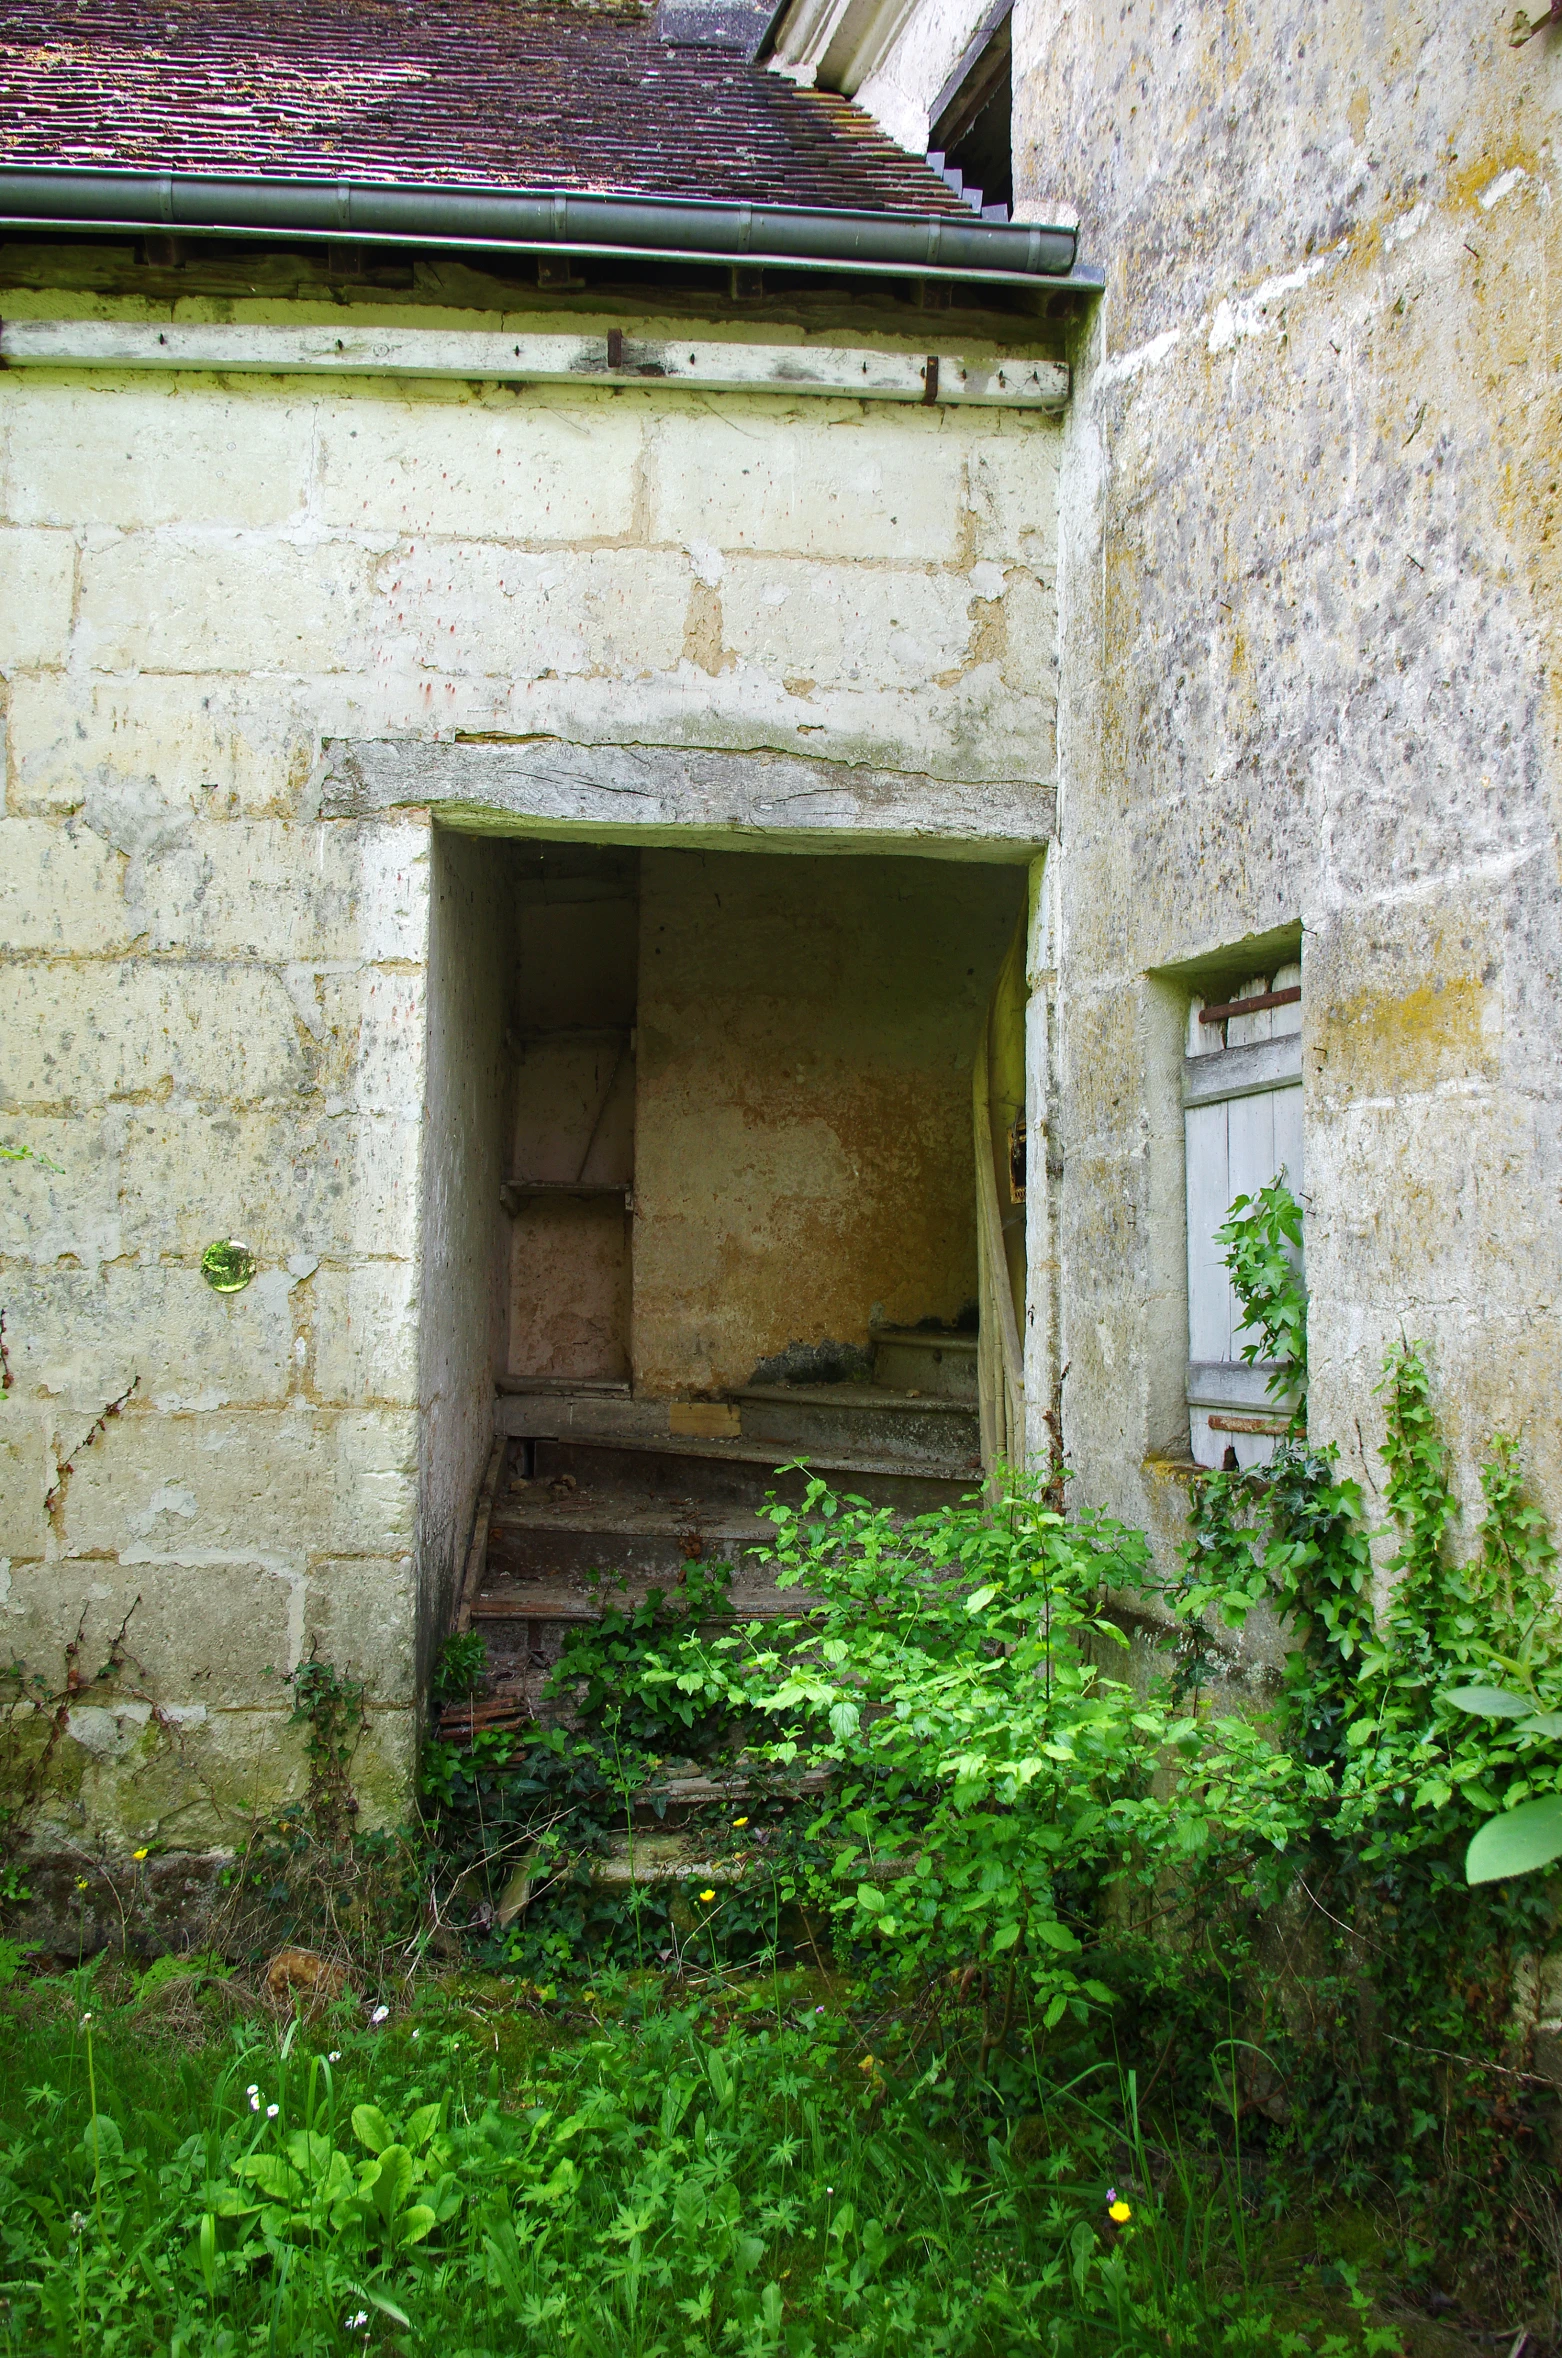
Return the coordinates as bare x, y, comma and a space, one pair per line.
768, 237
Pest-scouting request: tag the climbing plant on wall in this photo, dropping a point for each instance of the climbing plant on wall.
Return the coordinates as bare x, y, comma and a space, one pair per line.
1431, 1734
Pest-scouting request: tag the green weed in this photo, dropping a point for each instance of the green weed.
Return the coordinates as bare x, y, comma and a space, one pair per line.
660, 2186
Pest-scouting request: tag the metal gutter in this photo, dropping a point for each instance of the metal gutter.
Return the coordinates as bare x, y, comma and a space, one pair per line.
763, 237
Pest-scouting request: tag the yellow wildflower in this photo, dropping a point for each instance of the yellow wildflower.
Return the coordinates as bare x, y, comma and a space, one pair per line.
1120, 2212
866, 2064
81, 1883
707, 1896
138, 1854
740, 1821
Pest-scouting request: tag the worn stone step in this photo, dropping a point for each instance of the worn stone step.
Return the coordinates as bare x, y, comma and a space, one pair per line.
923, 1361
865, 1418
743, 1472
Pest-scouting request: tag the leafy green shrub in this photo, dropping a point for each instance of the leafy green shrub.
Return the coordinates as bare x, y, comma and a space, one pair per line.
1000, 1769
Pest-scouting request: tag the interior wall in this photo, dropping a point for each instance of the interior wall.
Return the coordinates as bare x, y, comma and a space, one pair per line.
803, 1153
570, 1047
469, 964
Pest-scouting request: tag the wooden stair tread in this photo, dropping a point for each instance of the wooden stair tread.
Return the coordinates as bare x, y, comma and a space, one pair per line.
587, 1510
863, 1396
777, 1454
925, 1338
555, 1601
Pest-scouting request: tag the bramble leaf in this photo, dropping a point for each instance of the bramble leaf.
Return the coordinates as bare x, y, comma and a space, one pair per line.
1517, 1842
1489, 1702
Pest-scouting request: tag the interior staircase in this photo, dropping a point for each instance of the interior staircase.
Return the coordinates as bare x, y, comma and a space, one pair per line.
596, 1489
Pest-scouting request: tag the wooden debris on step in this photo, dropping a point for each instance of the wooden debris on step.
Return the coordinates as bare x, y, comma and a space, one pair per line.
460, 1722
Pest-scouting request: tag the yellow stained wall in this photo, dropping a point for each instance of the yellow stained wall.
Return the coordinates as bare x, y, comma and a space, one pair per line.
803, 1127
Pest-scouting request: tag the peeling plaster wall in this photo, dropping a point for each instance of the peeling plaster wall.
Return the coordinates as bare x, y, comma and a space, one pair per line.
1309, 581
807, 1029
229, 1014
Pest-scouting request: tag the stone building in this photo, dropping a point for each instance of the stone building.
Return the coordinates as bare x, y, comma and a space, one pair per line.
659, 667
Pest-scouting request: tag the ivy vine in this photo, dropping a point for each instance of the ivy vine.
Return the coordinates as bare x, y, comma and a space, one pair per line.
1430, 1735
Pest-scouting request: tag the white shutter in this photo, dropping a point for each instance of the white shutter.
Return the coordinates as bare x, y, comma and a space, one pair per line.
1242, 1123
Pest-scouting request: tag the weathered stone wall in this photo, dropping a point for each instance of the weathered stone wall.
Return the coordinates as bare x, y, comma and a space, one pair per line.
1309, 583
226, 1014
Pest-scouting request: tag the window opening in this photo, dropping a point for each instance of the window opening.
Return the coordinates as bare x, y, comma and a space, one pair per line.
1242, 1124
969, 139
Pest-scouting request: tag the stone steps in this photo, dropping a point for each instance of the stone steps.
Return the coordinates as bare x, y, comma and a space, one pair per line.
602, 1501
741, 1473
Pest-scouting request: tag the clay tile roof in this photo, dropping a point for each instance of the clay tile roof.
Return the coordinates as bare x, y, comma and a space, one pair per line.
557, 95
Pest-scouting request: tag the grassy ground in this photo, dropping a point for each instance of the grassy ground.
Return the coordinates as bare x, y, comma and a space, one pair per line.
645, 2173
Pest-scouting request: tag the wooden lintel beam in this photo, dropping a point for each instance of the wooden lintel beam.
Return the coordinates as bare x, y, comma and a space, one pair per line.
612, 359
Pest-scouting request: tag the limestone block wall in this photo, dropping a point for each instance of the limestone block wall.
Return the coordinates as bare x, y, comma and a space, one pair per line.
1308, 602
226, 1015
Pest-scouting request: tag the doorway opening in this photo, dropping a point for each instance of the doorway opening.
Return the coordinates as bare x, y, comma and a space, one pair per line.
734, 1158
568, 1188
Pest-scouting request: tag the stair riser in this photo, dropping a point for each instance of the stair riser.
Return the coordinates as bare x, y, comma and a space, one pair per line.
726, 1482
943, 1375
531, 1554
939, 1433
522, 1655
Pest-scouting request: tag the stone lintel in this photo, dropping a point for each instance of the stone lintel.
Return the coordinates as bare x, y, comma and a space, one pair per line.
762, 801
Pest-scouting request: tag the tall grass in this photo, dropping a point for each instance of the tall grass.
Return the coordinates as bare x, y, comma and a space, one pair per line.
653, 2185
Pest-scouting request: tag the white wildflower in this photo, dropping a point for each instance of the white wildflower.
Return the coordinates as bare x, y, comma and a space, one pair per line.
335, 2055
380, 2014
271, 2111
